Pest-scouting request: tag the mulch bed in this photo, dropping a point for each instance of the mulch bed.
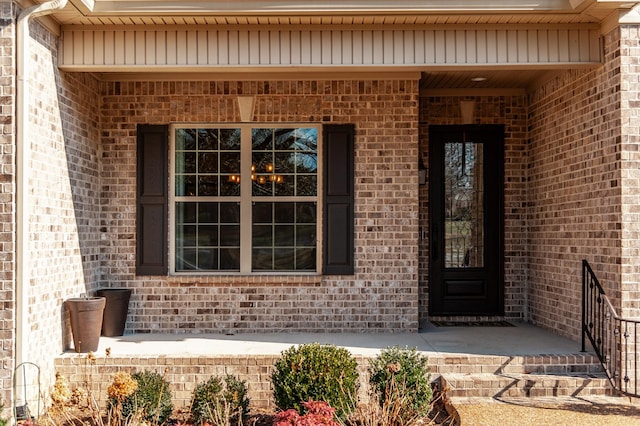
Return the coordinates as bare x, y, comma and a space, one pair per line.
438, 416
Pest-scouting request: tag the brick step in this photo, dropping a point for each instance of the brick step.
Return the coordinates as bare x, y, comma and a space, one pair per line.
525, 385
531, 364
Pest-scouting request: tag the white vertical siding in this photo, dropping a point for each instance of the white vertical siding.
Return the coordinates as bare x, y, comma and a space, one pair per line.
339, 47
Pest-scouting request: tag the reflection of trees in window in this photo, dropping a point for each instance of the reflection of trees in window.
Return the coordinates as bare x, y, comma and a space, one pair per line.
285, 162
463, 204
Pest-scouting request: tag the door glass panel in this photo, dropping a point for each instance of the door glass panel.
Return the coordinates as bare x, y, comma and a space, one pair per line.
464, 205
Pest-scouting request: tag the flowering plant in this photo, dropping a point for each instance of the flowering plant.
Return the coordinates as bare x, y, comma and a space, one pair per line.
319, 413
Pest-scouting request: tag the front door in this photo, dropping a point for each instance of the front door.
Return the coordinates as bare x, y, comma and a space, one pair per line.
466, 220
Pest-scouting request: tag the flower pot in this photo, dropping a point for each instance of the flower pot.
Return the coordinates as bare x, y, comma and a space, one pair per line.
115, 311
86, 322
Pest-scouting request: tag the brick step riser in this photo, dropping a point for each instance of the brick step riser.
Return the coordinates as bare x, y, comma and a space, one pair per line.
589, 369
530, 386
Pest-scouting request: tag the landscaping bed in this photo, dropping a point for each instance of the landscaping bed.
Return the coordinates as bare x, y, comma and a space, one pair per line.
313, 385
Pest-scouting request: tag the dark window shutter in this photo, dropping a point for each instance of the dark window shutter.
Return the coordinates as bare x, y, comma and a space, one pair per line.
152, 199
338, 192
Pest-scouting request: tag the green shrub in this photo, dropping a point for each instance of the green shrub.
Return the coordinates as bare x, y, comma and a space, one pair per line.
401, 378
3, 420
215, 401
316, 372
152, 399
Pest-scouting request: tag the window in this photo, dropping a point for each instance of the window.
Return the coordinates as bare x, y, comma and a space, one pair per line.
245, 199
209, 213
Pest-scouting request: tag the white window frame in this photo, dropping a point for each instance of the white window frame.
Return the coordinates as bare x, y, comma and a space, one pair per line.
246, 198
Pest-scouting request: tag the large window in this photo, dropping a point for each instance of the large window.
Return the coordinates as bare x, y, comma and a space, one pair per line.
245, 199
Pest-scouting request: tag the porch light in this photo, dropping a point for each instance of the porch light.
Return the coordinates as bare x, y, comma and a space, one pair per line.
422, 172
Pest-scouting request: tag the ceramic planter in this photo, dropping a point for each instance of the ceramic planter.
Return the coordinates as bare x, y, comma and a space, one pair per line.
86, 322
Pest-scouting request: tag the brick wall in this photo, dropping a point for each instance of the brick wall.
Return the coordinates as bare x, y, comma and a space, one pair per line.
63, 204
512, 112
575, 190
7, 200
383, 293
184, 373
630, 170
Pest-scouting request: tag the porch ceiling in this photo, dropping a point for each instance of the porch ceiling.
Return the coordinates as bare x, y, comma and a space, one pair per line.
92, 15
480, 81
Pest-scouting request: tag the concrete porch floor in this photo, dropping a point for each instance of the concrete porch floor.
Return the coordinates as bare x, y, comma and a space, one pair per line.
522, 339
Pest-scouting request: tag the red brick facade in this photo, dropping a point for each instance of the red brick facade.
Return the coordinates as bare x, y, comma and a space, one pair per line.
571, 186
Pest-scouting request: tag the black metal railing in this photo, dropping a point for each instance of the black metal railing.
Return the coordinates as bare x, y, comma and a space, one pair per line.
614, 339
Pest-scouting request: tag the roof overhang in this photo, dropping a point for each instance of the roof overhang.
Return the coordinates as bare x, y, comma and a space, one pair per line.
141, 7
474, 11
292, 6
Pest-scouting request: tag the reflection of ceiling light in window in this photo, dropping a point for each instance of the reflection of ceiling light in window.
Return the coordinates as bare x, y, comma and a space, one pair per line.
478, 79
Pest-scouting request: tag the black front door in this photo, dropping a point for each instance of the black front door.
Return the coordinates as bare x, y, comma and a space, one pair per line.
466, 220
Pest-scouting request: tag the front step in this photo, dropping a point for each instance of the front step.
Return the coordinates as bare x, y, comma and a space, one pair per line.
494, 376
487, 385
581, 363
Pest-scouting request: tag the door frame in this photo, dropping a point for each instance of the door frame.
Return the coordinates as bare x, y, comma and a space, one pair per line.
495, 161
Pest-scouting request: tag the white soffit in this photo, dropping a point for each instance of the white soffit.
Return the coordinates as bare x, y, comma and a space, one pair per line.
262, 12
225, 49
279, 6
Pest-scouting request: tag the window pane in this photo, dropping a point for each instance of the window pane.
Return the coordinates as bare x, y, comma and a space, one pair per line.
229, 236
230, 162
305, 236
262, 235
230, 139
229, 189
208, 162
207, 139
306, 163
207, 212
186, 212
185, 139
306, 213
284, 186
185, 185
285, 212
289, 241
262, 259
306, 259
185, 162
207, 235
208, 186
186, 259
285, 139
284, 235
187, 235
229, 213
306, 185
285, 162
262, 186
207, 259
262, 212
262, 139
283, 259
204, 243
307, 139
229, 259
